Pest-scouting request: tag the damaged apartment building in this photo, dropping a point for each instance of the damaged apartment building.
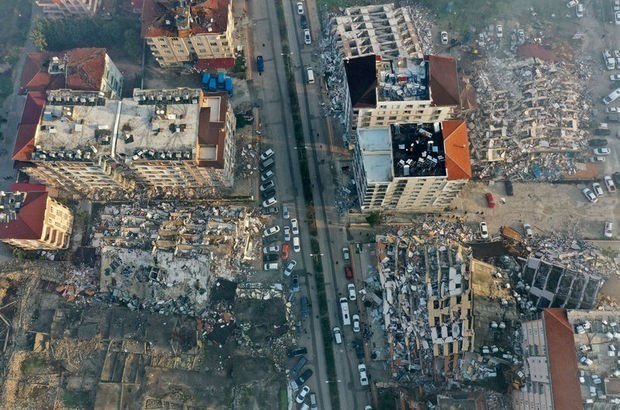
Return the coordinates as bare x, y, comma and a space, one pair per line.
419, 167
32, 220
197, 32
157, 141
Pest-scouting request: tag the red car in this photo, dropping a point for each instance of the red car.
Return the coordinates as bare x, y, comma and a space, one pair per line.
285, 250
348, 272
490, 200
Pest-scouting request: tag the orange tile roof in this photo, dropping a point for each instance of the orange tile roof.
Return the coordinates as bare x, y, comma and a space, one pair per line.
443, 81
456, 146
24, 143
30, 217
85, 68
208, 17
562, 356
208, 64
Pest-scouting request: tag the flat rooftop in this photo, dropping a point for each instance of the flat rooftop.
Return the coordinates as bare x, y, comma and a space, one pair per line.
182, 18
418, 150
403, 80
376, 151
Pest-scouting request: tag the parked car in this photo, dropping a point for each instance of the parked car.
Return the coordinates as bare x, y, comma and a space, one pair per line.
614, 77
266, 176
271, 266
295, 226
444, 37
590, 196
613, 109
528, 230
287, 233
361, 368
500, 31
579, 10
300, 7
270, 257
617, 17
509, 188
337, 335
271, 249
269, 193
598, 190
271, 231
307, 38
609, 230
484, 230
267, 185
289, 268
295, 283
356, 323
301, 379
601, 151
345, 254
490, 200
351, 291
598, 159
270, 202
286, 249
609, 183
260, 64
348, 272
298, 351
313, 402
296, 245
304, 21
301, 396
298, 366
271, 210
285, 213
598, 142
267, 154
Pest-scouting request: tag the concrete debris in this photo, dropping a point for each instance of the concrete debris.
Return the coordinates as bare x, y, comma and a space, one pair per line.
531, 118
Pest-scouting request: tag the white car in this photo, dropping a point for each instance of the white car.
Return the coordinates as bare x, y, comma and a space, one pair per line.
614, 77
613, 109
528, 230
285, 213
345, 254
271, 231
337, 335
598, 190
579, 10
571, 3
363, 376
296, 246
307, 38
295, 226
301, 396
270, 202
609, 230
266, 176
444, 37
267, 154
500, 31
601, 151
356, 323
300, 7
617, 17
484, 230
289, 268
609, 183
287, 233
589, 195
271, 249
351, 290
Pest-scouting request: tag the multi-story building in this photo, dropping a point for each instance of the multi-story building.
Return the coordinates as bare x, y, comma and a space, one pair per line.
30, 219
91, 146
85, 69
68, 8
387, 91
377, 30
550, 377
411, 167
182, 32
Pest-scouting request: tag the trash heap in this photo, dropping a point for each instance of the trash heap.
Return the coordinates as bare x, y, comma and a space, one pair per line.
529, 124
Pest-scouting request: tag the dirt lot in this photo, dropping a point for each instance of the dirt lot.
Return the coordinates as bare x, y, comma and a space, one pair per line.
547, 207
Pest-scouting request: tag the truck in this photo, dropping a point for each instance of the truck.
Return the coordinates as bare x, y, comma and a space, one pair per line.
260, 64
344, 307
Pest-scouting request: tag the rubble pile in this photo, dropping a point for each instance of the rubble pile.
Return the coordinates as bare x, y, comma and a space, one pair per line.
248, 163
529, 119
335, 77
162, 257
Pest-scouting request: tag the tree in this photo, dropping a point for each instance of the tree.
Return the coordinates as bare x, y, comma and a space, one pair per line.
374, 218
38, 38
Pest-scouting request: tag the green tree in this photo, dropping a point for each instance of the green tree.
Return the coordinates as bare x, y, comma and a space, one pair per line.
38, 38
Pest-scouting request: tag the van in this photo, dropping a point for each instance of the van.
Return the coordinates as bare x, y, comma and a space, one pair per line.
613, 96
337, 336
310, 75
266, 164
298, 366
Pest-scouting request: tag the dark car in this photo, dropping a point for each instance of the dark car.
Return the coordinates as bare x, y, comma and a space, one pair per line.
304, 21
348, 272
303, 377
298, 366
298, 351
359, 348
509, 188
272, 210
304, 307
270, 257
271, 192
260, 64
598, 142
295, 283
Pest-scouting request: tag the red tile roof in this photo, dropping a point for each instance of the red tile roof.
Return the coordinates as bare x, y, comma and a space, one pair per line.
33, 78
443, 83
211, 64
456, 146
24, 143
562, 355
158, 18
30, 217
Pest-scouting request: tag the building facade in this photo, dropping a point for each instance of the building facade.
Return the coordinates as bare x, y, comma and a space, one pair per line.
411, 167
157, 141
68, 8
32, 220
178, 33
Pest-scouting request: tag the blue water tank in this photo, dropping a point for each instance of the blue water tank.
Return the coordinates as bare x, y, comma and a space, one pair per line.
221, 77
205, 79
229, 85
213, 84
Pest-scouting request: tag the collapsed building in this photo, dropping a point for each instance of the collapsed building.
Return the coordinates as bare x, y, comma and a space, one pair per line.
184, 32
158, 141
419, 167
32, 220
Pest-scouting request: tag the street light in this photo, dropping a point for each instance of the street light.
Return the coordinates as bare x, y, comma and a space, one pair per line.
316, 254
333, 381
